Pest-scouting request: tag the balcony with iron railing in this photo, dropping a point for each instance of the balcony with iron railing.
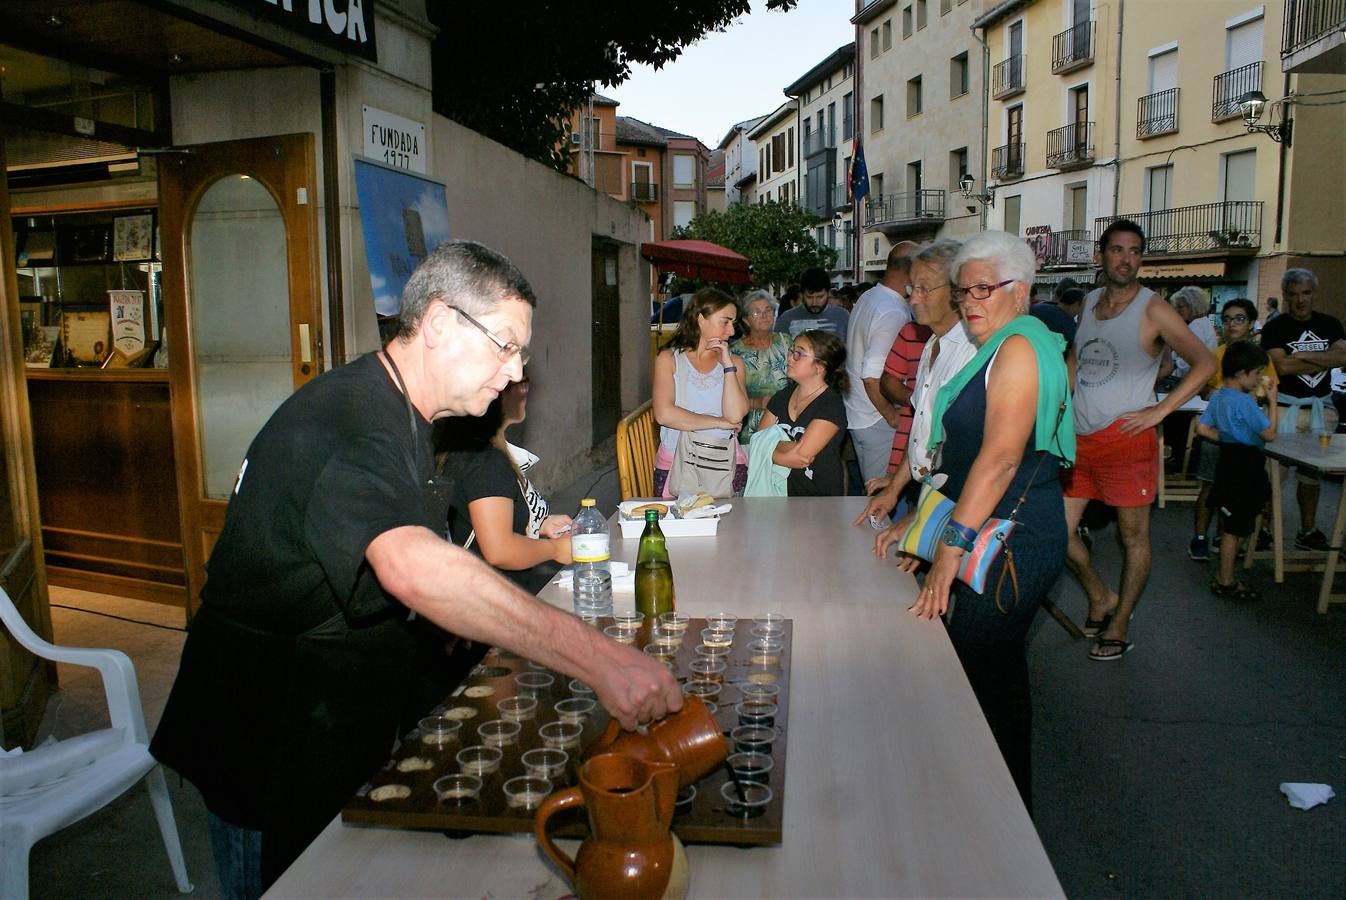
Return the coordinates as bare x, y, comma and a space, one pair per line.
644, 192
1308, 23
1073, 48
845, 250
841, 197
895, 214
1070, 146
1007, 161
1061, 248
817, 141
1228, 90
1007, 78
1157, 114
1233, 227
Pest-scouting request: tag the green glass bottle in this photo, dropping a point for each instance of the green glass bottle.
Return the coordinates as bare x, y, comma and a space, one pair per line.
654, 574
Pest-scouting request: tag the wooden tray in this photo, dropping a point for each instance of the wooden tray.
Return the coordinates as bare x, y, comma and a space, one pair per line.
704, 820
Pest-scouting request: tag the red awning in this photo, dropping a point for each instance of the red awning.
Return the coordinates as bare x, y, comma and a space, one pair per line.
700, 260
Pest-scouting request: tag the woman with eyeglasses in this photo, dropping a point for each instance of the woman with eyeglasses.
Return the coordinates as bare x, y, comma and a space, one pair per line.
813, 414
700, 394
496, 511
1000, 430
763, 353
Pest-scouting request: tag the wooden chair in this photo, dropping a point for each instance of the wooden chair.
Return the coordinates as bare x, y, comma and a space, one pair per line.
637, 441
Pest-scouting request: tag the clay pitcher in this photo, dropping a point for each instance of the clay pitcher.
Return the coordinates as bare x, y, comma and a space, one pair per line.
689, 739
630, 852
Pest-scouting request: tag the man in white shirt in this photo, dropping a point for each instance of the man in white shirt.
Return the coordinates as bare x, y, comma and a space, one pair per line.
948, 349
877, 318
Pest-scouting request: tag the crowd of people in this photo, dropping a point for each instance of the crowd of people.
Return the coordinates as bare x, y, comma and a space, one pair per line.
375, 513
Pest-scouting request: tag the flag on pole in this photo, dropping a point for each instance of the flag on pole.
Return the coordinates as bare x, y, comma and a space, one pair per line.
857, 179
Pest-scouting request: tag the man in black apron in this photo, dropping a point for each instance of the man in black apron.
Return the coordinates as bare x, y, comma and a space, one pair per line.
297, 665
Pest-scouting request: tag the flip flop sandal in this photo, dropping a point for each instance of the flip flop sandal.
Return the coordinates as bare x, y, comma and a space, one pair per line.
1235, 591
1094, 627
1125, 648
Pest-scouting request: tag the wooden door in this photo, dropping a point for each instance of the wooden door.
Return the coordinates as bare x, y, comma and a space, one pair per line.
606, 363
242, 310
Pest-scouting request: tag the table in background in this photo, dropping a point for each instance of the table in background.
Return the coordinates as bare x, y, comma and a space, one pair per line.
1305, 451
895, 786
1182, 485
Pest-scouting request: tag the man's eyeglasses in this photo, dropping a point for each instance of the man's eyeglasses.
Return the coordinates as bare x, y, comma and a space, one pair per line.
912, 289
796, 354
505, 350
978, 291
1239, 319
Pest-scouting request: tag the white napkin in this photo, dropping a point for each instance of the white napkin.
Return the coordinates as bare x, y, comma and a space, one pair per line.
705, 512
1306, 796
623, 578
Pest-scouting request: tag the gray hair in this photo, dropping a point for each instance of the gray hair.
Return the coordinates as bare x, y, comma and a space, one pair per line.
752, 297
1299, 276
939, 254
1194, 297
1008, 255
465, 274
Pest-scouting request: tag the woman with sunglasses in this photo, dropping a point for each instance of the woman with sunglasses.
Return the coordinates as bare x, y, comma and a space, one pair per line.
813, 414
763, 353
496, 511
1000, 430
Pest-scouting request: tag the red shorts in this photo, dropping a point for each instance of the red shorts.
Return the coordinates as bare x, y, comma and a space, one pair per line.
1121, 470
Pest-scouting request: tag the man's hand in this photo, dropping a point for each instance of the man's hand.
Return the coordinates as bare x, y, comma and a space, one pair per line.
1137, 421
635, 688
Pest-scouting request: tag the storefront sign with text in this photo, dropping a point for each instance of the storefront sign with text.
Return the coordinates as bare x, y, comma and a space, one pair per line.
344, 24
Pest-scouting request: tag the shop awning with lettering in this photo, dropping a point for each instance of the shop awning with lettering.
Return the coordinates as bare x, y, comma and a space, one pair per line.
1182, 270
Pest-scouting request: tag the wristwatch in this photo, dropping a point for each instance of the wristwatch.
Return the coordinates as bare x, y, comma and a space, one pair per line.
959, 536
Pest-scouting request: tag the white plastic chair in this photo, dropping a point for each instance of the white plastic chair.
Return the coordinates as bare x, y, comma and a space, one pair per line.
57, 784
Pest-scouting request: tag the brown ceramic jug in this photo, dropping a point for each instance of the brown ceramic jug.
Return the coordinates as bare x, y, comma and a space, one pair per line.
689, 739
630, 853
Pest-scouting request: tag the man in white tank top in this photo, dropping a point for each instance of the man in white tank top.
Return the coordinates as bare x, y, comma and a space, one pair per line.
1123, 329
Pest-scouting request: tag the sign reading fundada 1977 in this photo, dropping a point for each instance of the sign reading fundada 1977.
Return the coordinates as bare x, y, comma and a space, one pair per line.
394, 141
343, 24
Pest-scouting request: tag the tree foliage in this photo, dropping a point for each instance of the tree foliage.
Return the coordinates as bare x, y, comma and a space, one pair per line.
516, 73
777, 238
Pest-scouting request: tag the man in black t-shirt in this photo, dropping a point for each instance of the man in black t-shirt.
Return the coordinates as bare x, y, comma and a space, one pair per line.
1305, 346
302, 654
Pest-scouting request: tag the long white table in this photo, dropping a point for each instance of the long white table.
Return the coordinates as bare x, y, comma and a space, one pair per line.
895, 786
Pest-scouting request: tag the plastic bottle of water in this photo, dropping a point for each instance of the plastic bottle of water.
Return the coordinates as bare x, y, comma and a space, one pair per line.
589, 542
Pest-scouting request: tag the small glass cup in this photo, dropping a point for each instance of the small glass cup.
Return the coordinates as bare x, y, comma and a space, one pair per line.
706, 690
526, 792
712, 652
517, 709
661, 649
722, 621
711, 706
629, 619
711, 637
478, 760
753, 690
667, 635
751, 766
499, 733
457, 789
561, 735
683, 802
752, 739
674, 622
753, 802
621, 633
580, 689
438, 731
576, 709
768, 624
532, 684
545, 762
764, 653
704, 670
756, 712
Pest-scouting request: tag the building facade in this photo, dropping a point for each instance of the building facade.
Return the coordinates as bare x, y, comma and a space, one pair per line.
775, 142
920, 79
826, 98
740, 160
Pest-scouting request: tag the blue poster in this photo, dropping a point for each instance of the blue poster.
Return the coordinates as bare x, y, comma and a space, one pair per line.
403, 216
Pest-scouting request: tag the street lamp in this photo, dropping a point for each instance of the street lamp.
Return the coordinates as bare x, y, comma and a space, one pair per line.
1252, 104
967, 182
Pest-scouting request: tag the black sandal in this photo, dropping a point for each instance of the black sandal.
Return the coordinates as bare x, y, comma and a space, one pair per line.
1235, 591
